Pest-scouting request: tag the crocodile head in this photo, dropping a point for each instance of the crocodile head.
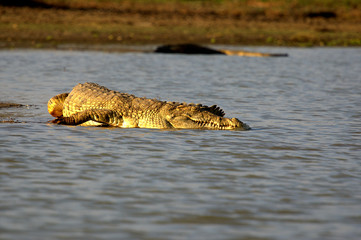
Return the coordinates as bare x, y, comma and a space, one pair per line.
203, 117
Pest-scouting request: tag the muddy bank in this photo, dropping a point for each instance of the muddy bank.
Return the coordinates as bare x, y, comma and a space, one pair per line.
5, 118
48, 24
10, 105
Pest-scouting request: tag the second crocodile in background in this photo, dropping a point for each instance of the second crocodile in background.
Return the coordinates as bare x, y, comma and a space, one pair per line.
91, 104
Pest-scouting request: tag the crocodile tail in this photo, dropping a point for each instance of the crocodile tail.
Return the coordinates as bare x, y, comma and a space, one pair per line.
55, 105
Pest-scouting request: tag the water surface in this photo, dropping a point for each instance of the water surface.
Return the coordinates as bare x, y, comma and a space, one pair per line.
296, 175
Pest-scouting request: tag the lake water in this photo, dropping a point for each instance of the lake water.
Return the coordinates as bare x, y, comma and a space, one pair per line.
295, 175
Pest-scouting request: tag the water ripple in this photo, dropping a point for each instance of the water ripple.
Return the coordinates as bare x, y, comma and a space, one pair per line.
294, 176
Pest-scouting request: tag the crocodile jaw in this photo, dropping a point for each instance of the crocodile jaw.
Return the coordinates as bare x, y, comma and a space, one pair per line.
218, 123
222, 124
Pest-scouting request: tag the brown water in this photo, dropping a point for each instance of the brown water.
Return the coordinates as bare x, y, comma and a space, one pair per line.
296, 175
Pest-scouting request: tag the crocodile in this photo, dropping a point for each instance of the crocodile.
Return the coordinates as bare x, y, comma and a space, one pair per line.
90, 104
189, 48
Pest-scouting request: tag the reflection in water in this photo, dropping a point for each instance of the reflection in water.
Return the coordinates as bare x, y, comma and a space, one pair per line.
294, 176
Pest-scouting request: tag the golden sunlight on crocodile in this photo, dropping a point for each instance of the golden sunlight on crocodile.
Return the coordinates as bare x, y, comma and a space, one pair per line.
91, 104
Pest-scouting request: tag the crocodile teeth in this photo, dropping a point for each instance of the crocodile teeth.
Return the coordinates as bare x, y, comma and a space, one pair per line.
206, 124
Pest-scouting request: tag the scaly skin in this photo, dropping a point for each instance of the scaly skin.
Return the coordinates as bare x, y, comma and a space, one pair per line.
91, 104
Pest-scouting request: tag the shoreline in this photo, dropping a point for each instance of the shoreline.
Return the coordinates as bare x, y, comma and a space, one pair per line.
254, 50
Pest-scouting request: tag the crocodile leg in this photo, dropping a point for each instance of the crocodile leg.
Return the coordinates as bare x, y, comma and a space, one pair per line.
104, 116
